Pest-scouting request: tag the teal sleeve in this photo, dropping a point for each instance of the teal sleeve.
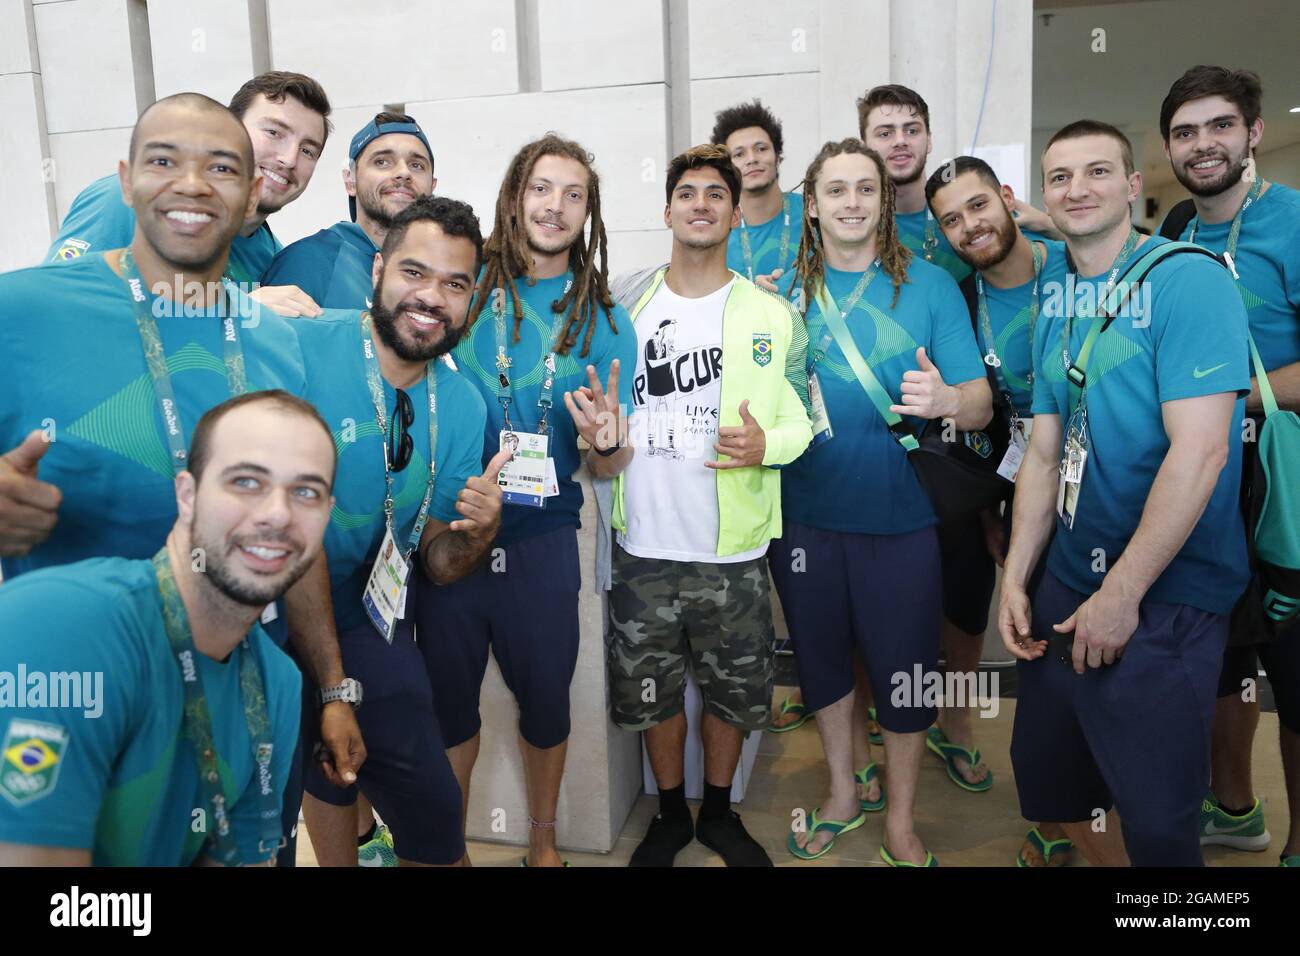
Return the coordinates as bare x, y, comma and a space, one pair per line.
300, 264
1199, 326
56, 762
461, 423
622, 347
283, 684
1044, 399
98, 220
952, 340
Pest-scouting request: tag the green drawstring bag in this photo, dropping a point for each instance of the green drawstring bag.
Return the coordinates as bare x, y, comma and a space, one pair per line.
1277, 530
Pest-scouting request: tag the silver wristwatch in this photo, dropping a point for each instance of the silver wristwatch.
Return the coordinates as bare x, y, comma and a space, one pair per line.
349, 691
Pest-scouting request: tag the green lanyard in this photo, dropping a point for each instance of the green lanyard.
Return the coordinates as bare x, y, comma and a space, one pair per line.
375, 382
785, 241
1076, 370
505, 391
196, 724
1235, 230
986, 324
826, 304
156, 359
930, 245
865, 376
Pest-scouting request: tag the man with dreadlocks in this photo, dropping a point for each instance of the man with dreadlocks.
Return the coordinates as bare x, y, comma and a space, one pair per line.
544, 327
688, 576
769, 218
857, 568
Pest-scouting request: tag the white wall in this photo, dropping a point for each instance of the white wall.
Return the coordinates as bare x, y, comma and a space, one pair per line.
635, 81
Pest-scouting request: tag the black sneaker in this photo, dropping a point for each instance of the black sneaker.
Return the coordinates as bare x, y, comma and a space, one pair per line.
661, 843
726, 836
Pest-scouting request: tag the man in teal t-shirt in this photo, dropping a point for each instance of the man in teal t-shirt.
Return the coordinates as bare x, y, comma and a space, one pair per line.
857, 564
390, 164
771, 222
895, 122
1132, 473
287, 118
370, 375
1211, 124
544, 342
104, 747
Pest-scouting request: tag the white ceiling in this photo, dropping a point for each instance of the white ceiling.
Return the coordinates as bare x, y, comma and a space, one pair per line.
1149, 43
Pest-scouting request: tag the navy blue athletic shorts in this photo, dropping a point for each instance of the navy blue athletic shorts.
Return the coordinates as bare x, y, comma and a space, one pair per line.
1280, 658
879, 595
523, 604
406, 776
968, 574
1135, 734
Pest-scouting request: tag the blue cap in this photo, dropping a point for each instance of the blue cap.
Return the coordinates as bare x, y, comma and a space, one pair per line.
371, 132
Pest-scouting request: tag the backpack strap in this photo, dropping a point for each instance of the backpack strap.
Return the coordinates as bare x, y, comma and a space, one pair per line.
1177, 220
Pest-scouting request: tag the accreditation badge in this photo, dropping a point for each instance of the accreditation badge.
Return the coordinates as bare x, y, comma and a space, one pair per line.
1073, 461
1016, 448
523, 477
385, 595
821, 419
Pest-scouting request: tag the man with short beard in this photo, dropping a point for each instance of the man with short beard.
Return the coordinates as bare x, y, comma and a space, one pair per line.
410, 433
1211, 125
390, 165
101, 392
191, 684
895, 122
287, 118
1012, 275
545, 351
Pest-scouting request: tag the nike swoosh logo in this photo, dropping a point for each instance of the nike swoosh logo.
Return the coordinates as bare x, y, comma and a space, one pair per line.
1214, 830
1197, 373
376, 860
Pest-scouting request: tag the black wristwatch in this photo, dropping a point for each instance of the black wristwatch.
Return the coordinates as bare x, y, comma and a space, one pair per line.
607, 452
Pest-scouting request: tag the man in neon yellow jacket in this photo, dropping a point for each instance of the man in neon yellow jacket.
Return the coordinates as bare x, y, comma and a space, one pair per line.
719, 399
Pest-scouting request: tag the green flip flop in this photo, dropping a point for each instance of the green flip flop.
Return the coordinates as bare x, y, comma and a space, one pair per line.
789, 706
1290, 860
1046, 848
835, 827
864, 777
930, 859
938, 744
877, 738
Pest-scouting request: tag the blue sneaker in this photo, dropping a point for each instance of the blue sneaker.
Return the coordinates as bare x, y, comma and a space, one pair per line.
1246, 832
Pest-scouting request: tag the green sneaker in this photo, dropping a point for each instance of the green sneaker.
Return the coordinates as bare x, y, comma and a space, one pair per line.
1246, 832
379, 851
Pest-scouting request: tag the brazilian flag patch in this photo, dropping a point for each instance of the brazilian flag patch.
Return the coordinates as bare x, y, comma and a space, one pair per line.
762, 348
30, 758
72, 249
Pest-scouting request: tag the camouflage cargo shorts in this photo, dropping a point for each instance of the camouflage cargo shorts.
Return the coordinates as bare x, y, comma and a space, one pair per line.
719, 615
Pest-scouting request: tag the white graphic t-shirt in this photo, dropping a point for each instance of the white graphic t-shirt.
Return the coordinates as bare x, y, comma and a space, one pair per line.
670, 499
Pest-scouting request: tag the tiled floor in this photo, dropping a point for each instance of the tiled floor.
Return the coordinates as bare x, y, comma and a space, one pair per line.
962, 829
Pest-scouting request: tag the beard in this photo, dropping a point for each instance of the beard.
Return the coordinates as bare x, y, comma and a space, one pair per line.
252, 593
374, 208
1003, 243
384, 321
549, 245
906, 179
704, 243
1231, 175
